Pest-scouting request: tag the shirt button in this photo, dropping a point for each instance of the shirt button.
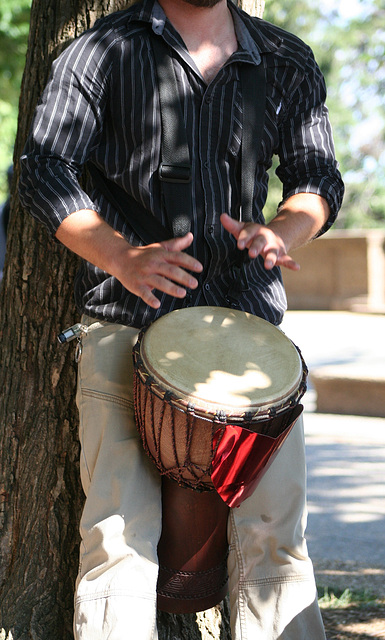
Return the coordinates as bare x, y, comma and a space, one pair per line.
211, 228
206, 165
188, 300
207, 287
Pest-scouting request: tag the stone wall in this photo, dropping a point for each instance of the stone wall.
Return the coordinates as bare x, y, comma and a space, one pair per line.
342, 270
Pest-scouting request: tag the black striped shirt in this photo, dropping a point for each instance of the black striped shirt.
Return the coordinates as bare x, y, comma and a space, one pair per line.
101, 106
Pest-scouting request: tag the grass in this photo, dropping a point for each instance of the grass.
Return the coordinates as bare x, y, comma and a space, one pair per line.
330, 598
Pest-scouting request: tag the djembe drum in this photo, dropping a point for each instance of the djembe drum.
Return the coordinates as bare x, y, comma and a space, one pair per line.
216, 393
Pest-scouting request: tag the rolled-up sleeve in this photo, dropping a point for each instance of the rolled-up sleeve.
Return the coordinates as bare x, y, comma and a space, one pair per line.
307, 156
65, 129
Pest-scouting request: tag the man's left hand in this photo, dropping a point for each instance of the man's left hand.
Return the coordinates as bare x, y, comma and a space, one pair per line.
260, 240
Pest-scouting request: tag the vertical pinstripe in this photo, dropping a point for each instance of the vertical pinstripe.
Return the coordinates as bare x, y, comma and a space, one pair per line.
101, 106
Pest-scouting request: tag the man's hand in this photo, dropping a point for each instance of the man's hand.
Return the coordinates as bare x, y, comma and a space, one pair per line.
260, 240
162, 266
298, 220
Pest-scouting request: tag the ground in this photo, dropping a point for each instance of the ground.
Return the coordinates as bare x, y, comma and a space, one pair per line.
355, 623
353, 607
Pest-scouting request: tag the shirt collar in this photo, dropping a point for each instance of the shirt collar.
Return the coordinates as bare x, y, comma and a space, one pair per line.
255, 32
251, 33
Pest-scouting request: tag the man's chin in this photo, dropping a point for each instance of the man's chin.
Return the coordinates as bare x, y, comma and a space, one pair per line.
203, 3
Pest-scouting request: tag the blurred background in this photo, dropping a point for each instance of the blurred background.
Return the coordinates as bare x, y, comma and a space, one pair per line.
336, 302
344, 271
14, 26
348, 39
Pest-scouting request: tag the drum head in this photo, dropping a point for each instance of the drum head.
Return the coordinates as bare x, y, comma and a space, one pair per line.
222, 359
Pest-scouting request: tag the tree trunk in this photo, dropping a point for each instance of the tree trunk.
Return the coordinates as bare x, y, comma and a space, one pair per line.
40, 493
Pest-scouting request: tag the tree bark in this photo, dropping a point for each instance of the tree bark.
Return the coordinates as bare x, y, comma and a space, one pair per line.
40, 493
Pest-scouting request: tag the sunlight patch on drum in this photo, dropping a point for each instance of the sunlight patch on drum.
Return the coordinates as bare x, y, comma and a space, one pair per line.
224, 321
226, 387
171, 355
211, 357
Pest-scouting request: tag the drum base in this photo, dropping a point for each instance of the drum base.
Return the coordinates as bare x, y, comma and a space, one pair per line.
192, 550
191, 591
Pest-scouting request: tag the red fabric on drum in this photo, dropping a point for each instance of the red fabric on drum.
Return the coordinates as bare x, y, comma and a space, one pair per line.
241, 457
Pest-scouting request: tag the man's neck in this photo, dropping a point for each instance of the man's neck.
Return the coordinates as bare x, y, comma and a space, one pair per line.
208, 33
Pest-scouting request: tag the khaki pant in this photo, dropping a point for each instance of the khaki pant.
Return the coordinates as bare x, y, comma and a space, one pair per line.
272, 589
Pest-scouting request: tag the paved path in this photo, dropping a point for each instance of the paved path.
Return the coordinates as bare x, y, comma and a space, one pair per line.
345, 454
346, 488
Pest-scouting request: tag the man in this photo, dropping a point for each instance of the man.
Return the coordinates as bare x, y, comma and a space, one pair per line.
101, 106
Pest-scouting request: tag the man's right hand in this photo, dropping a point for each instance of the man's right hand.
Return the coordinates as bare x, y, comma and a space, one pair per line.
163, 266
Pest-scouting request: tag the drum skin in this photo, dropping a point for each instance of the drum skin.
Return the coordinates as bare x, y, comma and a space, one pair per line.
203, 378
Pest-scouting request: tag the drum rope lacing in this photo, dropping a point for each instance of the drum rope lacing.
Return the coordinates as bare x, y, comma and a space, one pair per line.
199, 476
197, 472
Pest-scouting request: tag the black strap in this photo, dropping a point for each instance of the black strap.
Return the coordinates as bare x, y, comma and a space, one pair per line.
253, 84
137, 217
175, 167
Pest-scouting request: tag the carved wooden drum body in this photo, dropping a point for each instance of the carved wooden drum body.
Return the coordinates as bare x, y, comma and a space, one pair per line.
216, 393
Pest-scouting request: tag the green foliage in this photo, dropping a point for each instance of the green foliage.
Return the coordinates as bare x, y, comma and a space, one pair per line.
350, 50
8, 133
14, 26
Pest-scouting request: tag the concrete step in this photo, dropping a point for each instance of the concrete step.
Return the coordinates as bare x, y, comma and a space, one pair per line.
350, 389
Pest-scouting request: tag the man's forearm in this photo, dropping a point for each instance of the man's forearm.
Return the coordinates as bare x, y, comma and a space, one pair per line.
299, 219
163, 266
89, 236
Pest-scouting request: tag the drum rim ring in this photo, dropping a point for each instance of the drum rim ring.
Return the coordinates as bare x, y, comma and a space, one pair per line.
220, 418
